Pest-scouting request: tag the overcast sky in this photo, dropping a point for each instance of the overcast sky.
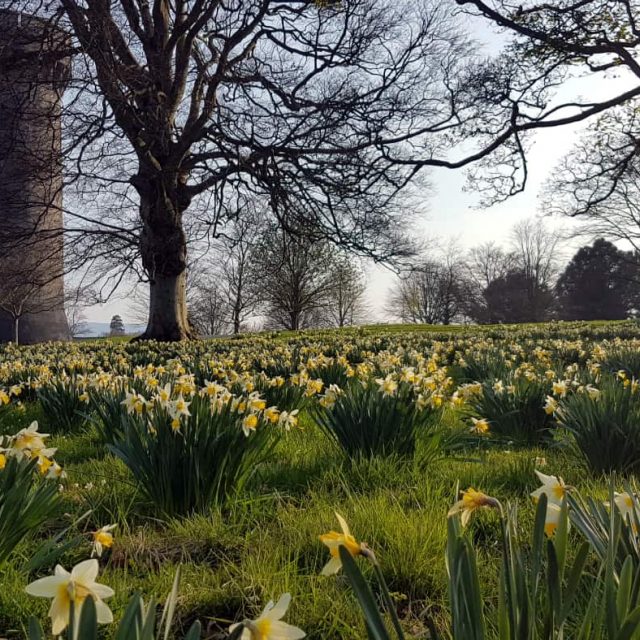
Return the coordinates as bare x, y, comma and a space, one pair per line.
451, 213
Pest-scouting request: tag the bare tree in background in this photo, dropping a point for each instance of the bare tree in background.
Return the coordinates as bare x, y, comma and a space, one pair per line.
536, 251
432, 293
346, 303
598, 183
208, 307
294, 274
238, 280
77, 299
487, 262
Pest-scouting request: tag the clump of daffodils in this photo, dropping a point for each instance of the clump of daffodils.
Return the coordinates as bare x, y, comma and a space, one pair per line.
30, 444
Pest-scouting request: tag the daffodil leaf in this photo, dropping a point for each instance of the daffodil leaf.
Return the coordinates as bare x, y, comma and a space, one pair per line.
365, 596
35, 629
88, 623
195, 631
132, 619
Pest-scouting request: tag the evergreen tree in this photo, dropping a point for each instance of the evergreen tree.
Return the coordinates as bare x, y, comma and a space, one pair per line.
600, 283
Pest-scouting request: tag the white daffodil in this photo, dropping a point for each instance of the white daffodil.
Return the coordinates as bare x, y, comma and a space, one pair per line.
76, 587
553, 487
269, 625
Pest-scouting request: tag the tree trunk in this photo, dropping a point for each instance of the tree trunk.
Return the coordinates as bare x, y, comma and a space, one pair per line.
16, 330
163, 248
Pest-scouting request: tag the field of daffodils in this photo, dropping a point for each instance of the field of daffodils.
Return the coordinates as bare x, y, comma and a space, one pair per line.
381, 483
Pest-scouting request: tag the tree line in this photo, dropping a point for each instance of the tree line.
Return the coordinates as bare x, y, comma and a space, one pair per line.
265, 277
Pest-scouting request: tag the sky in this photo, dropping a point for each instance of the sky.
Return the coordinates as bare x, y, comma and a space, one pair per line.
451, 213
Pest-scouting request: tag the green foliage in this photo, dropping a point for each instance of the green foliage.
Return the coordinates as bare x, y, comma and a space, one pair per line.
201, 464
110, 419
540, 594
622, 358
26, 502
515, 414
62, 407
366, 423
605, 427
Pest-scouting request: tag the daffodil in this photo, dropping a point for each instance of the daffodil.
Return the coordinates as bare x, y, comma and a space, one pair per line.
388, 386
553, 487
269, 625
249, 423
76, 587
102, 539
29, 440
334, 541
550, 405
552, 518
470, 501
480, 426
626, 505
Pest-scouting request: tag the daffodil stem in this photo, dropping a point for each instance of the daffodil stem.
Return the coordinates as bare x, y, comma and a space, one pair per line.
386, 596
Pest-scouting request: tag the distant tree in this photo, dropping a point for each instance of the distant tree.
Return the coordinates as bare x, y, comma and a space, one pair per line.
600, 283
535, 248
239, 283
346, 296
295, 278
208, 307
516, 297
432, 293
116, 326
484, 264
75, 303
22, 292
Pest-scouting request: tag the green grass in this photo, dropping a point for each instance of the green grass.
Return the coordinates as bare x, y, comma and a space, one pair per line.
267, 542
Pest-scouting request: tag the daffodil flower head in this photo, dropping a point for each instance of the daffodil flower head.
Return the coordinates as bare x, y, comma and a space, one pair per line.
65, 588
626, 504
553, 487
269, 625
102, 539
334, 540
470, 501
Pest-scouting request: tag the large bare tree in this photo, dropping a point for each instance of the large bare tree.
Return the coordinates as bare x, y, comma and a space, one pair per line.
178, 110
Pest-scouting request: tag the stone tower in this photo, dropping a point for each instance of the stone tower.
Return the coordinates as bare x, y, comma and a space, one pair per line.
33, 75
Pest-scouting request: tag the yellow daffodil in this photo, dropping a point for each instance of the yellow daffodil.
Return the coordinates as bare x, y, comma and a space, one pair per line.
334, 540
550, 405
560, 388
553, 487
470, 501
76, 587
249, 423
388, 386
269, 625
480, 426
102, 539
